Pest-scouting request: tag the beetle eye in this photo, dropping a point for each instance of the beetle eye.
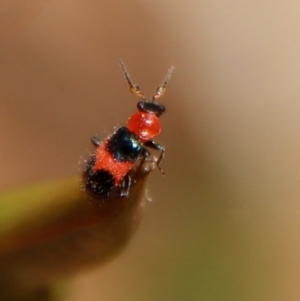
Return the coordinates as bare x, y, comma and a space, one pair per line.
151, 107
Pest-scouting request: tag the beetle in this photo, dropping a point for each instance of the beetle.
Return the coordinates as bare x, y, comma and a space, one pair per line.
114, 157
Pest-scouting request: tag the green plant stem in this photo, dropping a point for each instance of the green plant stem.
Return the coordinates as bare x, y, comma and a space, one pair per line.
54, 230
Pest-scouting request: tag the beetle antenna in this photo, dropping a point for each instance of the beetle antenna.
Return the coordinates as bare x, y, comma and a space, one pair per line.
162, 88
135, 89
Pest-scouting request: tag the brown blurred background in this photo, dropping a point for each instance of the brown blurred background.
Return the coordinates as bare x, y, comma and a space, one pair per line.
224, 223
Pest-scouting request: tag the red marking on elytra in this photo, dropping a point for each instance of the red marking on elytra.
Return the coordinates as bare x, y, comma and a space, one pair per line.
105, 160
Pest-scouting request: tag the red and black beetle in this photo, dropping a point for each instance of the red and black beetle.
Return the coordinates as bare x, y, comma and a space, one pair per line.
114, 157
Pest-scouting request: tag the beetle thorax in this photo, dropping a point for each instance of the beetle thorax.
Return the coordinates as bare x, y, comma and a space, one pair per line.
145, 125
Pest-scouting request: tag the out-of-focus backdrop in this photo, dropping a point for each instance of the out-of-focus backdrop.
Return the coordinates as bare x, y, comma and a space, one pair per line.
224, 223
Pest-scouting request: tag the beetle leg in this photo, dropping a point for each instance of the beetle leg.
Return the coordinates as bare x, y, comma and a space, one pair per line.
159, 148
125, 186
96, 141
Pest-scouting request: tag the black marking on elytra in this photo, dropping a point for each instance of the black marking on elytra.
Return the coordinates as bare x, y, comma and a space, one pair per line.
99, 183
124, 146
